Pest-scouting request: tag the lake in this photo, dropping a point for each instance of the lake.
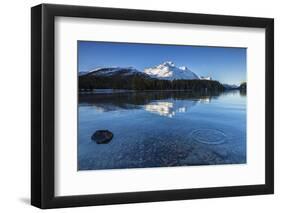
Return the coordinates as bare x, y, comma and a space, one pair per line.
162, 129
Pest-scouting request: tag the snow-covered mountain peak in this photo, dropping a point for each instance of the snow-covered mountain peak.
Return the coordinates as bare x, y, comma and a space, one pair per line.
169, 71
168, 63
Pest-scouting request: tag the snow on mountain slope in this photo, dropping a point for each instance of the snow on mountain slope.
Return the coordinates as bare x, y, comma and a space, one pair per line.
168, 71
114, 71
165, 71
206, 78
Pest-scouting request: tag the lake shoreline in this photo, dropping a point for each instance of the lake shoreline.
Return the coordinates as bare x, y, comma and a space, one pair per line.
109, 91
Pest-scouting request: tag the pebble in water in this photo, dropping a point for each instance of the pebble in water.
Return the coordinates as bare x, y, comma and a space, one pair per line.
102, 136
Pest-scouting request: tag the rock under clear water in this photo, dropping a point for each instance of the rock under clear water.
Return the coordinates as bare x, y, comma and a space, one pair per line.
102, 136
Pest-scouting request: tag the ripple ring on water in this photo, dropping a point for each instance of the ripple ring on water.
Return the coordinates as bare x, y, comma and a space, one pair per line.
208, 136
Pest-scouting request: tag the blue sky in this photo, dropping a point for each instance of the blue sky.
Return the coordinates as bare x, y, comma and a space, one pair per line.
227, 65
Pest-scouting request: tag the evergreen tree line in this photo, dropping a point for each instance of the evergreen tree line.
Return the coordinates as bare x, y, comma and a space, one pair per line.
142, 83
243, 86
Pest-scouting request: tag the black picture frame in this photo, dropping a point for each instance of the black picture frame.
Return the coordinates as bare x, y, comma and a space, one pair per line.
43, 102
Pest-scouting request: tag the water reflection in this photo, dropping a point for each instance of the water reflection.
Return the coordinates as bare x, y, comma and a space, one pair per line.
163, 103
166, 128
169, 108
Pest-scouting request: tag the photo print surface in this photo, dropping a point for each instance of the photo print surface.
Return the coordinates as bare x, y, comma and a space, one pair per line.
158, 105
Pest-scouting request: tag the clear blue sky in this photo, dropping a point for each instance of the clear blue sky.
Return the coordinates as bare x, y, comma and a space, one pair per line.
227, 65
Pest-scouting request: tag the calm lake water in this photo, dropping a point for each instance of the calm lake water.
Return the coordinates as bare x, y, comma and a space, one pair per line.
160, 129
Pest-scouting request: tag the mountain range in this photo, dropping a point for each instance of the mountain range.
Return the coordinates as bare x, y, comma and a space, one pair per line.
165, 71
163, 76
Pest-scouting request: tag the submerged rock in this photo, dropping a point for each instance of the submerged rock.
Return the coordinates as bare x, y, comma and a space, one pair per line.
102, 136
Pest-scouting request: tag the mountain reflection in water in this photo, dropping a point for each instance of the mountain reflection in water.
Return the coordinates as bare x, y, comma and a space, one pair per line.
164, 103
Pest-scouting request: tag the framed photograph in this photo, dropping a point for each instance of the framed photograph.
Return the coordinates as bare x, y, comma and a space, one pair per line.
139, 106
